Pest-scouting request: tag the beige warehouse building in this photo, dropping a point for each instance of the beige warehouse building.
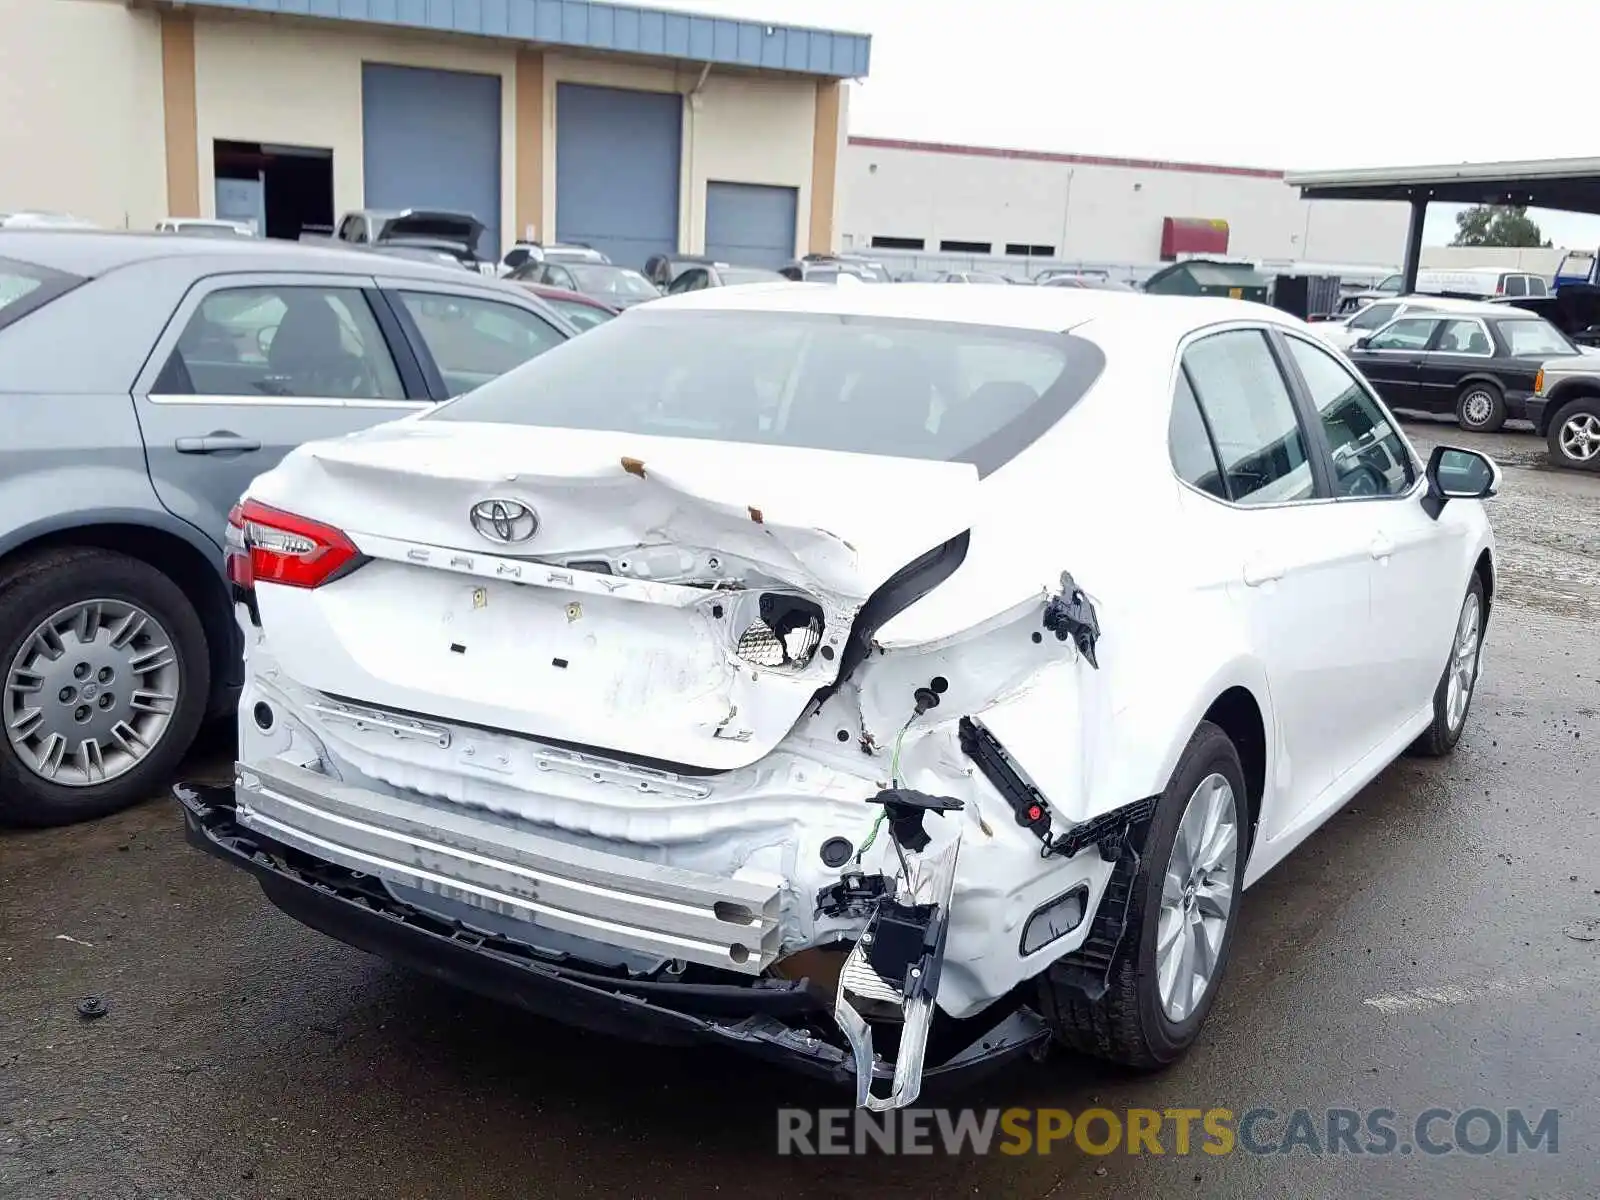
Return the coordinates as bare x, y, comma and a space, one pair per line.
634, 129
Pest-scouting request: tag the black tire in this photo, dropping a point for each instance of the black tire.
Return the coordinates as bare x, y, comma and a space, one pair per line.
1560, 453
1440, 737
32, 590
1471, 397
1128, 1024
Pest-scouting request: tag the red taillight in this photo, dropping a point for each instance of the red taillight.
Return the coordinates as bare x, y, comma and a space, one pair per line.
268, 545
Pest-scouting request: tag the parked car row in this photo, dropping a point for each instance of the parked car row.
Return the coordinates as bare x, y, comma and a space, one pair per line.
1483, 363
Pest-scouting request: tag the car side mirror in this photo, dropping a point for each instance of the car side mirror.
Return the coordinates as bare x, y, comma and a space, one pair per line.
1363, 343
1456, 474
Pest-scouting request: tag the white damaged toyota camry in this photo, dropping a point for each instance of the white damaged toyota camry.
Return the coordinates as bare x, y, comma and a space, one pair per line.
881, 680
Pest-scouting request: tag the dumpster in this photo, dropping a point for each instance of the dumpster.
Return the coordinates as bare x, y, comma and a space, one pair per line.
1203, 277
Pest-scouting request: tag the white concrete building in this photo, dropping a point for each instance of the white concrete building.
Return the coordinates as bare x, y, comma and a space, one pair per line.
944, 200
635, 129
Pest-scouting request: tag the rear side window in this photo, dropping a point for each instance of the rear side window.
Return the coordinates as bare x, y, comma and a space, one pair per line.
472, 341
1534, 338
25, 287
1194, 457
897, 388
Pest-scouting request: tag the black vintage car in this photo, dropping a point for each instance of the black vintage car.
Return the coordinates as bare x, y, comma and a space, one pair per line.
1480, 367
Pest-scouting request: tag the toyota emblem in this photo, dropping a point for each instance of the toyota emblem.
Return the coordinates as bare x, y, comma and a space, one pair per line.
504, 520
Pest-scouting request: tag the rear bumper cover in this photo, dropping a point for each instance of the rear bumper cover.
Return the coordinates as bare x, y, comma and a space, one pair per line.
781, 1021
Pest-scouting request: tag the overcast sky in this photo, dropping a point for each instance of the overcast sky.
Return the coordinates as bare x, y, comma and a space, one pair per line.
1270, 83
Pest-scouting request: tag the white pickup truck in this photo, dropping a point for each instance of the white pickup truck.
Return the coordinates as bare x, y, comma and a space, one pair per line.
428, 234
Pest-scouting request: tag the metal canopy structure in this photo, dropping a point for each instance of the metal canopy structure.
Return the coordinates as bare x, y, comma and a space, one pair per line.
1565, 184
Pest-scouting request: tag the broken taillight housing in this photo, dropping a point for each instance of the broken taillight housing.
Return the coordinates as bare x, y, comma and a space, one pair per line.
785, 636
268, 545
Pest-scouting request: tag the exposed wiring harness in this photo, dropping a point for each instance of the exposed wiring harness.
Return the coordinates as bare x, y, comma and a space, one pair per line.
894, 782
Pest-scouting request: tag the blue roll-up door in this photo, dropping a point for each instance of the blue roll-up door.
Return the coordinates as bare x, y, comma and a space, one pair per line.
617, 159
749, 224
431, 139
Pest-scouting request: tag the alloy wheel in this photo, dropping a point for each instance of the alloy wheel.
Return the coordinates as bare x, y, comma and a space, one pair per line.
1478, 407
1196, 897
1463, 662
90, 693
1580, 437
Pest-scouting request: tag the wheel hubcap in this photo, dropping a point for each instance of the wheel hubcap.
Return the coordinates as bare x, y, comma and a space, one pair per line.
90, 693
1580, 437
1463, 663
1478, 408
1196, 897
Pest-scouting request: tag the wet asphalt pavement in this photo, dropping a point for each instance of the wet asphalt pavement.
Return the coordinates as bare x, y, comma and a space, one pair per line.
1433, 946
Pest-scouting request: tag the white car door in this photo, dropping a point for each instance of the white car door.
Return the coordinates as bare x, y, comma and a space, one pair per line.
1414, 607
1297, 565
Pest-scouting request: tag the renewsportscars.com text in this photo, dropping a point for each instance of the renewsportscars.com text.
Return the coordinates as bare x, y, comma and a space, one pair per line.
1170, 1131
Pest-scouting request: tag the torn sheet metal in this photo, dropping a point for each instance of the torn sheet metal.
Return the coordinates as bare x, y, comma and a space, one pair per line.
897, 963
1071, 614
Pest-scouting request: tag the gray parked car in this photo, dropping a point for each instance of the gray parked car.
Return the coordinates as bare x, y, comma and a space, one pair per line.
145, 380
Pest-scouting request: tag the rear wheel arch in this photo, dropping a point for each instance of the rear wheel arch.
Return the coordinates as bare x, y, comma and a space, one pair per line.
171, 554
1238, 714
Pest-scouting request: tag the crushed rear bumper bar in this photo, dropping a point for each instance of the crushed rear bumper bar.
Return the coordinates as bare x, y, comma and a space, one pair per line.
783, 1021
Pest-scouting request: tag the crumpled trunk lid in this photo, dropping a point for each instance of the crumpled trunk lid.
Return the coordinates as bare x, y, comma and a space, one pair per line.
673, 599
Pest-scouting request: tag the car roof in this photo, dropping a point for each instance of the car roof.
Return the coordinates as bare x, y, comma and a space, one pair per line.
994, 304
90, 253
1445, 303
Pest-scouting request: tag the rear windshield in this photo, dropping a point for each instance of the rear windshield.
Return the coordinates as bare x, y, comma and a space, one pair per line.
25, 287
903, 389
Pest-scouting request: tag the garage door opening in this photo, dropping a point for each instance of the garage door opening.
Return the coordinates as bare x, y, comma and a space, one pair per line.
283, 191
431, 139
617, 159
751, 225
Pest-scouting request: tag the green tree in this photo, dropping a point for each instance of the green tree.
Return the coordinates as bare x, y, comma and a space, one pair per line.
1497, 225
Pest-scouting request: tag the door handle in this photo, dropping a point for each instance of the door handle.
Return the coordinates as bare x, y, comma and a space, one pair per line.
1382, 547
1263, 571
220, 441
